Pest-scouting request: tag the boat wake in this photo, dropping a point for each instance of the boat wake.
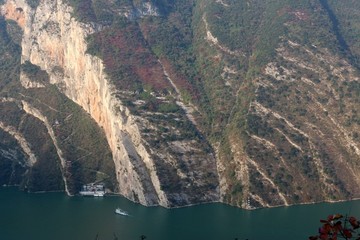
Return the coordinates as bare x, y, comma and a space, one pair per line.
121, 212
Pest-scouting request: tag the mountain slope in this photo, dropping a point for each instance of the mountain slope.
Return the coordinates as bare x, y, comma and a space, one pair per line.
293, 123
252, 103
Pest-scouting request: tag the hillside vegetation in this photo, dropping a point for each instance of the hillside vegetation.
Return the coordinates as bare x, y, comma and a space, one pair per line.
269, 88
260, 73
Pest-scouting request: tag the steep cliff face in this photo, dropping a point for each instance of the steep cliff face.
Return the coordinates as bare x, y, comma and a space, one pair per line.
44, 145
56, 42
250, 103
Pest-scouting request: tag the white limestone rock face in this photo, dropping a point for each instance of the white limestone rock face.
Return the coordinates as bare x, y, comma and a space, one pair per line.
55, 41
140, 10
25, 146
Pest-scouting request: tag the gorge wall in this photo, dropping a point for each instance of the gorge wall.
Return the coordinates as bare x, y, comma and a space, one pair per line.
254, 104
56, 42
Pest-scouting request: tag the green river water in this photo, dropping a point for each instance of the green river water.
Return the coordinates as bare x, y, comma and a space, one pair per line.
54, 216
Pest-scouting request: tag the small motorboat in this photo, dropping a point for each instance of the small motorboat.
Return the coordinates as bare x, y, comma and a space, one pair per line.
121, 212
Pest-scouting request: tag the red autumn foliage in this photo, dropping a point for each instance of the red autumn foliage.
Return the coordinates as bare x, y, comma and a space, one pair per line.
338, 227
128, 60
354, 223
181, 82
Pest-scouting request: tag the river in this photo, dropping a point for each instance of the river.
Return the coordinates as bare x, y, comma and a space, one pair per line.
55, 216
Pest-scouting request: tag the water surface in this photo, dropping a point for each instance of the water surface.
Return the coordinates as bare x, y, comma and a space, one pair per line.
54, 216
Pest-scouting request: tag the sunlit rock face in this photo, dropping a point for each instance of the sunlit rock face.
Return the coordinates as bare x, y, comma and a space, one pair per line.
56, 42
251, 103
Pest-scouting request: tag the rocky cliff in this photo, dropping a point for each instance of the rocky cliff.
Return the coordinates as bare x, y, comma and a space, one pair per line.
56, 42
176, 103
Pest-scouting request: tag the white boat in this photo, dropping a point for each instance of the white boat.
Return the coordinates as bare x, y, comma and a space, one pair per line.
96, 190
99, 194
121, 212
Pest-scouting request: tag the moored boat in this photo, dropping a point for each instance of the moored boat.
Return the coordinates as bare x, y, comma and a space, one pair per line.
99, 194
96, 190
